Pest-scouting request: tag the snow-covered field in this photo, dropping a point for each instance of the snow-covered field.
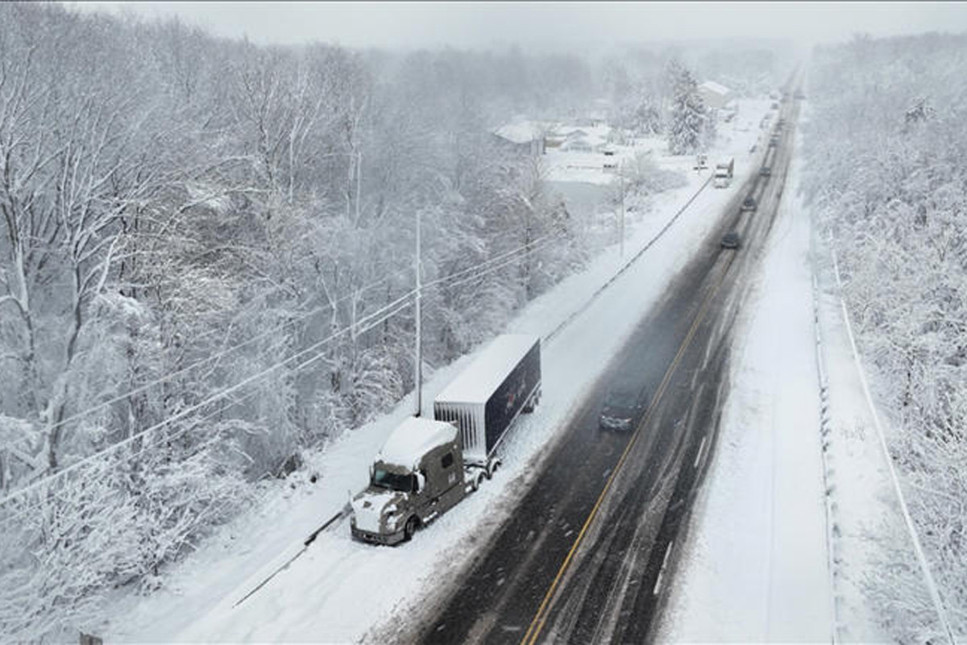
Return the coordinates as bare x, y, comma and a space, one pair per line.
761, 562
339, 589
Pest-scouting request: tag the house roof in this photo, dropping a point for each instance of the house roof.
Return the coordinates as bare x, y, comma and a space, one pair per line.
585, 140
524, 132
712, 86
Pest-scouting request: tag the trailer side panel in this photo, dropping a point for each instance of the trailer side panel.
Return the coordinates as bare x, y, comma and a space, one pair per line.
520, 386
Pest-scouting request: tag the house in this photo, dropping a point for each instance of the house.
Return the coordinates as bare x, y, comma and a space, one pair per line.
584, 139
557, 136
715, 96
584, 143
524, 137
554, 138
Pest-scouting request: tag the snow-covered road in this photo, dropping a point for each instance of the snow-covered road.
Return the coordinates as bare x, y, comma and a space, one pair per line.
756, 564
339, 590
770, 557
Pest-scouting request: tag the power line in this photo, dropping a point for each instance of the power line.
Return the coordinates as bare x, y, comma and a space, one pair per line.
200, 362
30, 507
208, 359
394, 308
505, 263
497, 258
215, 397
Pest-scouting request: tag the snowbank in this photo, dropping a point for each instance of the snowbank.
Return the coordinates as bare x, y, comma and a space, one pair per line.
783, 545
755, 560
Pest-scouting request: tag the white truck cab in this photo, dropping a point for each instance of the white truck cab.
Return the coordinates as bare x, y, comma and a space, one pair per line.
417, 476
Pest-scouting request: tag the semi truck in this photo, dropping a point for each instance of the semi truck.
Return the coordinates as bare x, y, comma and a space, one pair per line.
723, 173
427, 466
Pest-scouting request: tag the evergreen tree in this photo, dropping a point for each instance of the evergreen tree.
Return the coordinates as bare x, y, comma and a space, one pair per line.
688, 114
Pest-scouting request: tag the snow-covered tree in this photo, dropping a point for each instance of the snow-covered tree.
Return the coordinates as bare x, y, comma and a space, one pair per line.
689, 120
886, 173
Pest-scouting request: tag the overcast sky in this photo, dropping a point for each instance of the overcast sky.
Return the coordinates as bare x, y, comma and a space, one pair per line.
549, 24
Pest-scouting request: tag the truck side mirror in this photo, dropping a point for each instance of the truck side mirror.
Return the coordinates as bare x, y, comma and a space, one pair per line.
418, 482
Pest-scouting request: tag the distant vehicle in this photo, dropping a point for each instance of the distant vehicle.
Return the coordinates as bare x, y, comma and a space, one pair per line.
731, 240
749, 203
701, 162
622, 408
427, 466
723, 173
765, 171
773, 140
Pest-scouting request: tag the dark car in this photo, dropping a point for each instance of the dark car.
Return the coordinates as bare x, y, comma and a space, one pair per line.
731, 240
765, 171
621, 409
748, 204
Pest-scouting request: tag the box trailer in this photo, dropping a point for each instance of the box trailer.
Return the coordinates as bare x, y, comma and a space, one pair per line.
483, 401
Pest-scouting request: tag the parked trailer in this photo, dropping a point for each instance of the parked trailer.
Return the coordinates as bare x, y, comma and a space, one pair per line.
427, 466
484, 400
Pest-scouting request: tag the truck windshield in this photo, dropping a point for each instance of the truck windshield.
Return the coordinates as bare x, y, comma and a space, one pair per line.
392, 481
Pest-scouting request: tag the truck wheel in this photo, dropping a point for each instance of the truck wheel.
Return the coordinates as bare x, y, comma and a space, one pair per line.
410, 528
494, 465
476, 481
532, 403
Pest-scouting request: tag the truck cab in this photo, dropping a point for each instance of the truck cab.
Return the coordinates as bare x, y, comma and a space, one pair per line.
723, 173
417, 476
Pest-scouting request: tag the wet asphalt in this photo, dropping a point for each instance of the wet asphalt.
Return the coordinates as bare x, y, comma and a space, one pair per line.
551, 574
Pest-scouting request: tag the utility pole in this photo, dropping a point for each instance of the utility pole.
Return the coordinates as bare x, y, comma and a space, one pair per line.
419, 344
621, 222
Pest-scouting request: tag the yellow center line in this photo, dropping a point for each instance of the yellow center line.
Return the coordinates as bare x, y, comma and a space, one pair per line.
537, 624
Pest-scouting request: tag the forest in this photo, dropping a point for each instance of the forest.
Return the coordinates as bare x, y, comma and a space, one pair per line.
207, 264
886, 173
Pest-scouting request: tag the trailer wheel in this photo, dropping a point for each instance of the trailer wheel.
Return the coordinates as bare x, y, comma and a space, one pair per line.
476, 481
410, 528
492, 468
532, 403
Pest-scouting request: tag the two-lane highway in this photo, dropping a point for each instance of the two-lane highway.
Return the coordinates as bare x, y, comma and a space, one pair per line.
591, 546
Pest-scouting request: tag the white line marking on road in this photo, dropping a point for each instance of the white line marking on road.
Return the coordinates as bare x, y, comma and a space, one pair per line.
698, 455
661, 572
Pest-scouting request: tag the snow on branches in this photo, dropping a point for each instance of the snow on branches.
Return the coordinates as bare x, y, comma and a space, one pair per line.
887, 173
691, 125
